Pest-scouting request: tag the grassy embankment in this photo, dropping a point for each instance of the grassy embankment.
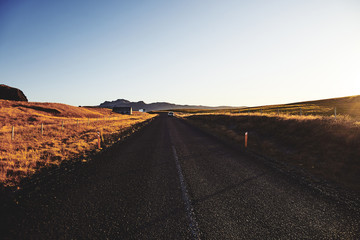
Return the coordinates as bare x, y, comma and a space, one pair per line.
68, 132
326, 147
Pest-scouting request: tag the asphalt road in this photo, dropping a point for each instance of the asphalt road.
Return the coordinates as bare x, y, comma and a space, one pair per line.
171, 181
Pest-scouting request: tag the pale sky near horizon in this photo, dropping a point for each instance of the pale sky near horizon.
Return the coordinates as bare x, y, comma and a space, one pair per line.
235, 53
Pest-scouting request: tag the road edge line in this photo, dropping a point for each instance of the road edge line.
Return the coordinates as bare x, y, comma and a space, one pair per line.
188, 206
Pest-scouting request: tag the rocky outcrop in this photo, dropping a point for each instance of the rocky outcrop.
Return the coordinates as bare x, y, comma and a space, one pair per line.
9, 93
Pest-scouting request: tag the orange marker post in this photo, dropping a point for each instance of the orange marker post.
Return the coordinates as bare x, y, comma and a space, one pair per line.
246, 139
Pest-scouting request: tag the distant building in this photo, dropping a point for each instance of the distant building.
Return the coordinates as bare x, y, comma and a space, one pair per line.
123, 110
142, 110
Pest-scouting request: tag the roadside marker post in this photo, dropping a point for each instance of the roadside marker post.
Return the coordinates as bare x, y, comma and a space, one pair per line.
42, 129
335, 112
246, 139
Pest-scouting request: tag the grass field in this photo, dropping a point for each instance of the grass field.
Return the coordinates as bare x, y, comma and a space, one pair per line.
314, 141
348, 107
46, 134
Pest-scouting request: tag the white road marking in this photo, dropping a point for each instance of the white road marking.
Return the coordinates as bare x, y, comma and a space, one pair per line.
188, 207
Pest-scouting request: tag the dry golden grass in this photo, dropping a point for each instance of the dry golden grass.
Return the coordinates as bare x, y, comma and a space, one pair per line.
68, 132
348, 107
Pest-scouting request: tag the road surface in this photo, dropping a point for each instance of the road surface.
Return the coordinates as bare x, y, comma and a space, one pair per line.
171, 181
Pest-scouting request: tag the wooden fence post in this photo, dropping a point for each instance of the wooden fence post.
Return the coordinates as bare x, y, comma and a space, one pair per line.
12, 133
98, 135
335, 112
42, 129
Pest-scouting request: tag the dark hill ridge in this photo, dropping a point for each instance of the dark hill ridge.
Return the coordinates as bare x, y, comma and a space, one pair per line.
152, 106
10, 93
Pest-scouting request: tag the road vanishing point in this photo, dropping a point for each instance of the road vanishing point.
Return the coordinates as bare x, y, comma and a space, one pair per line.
173, 181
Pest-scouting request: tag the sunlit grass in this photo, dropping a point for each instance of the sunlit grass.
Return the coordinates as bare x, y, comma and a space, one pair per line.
347, 107
68, 132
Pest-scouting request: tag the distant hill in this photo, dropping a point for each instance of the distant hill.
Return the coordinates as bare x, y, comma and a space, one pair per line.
153, 106
24, 113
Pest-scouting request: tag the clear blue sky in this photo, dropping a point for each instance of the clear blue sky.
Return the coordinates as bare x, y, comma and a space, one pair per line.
239, 53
